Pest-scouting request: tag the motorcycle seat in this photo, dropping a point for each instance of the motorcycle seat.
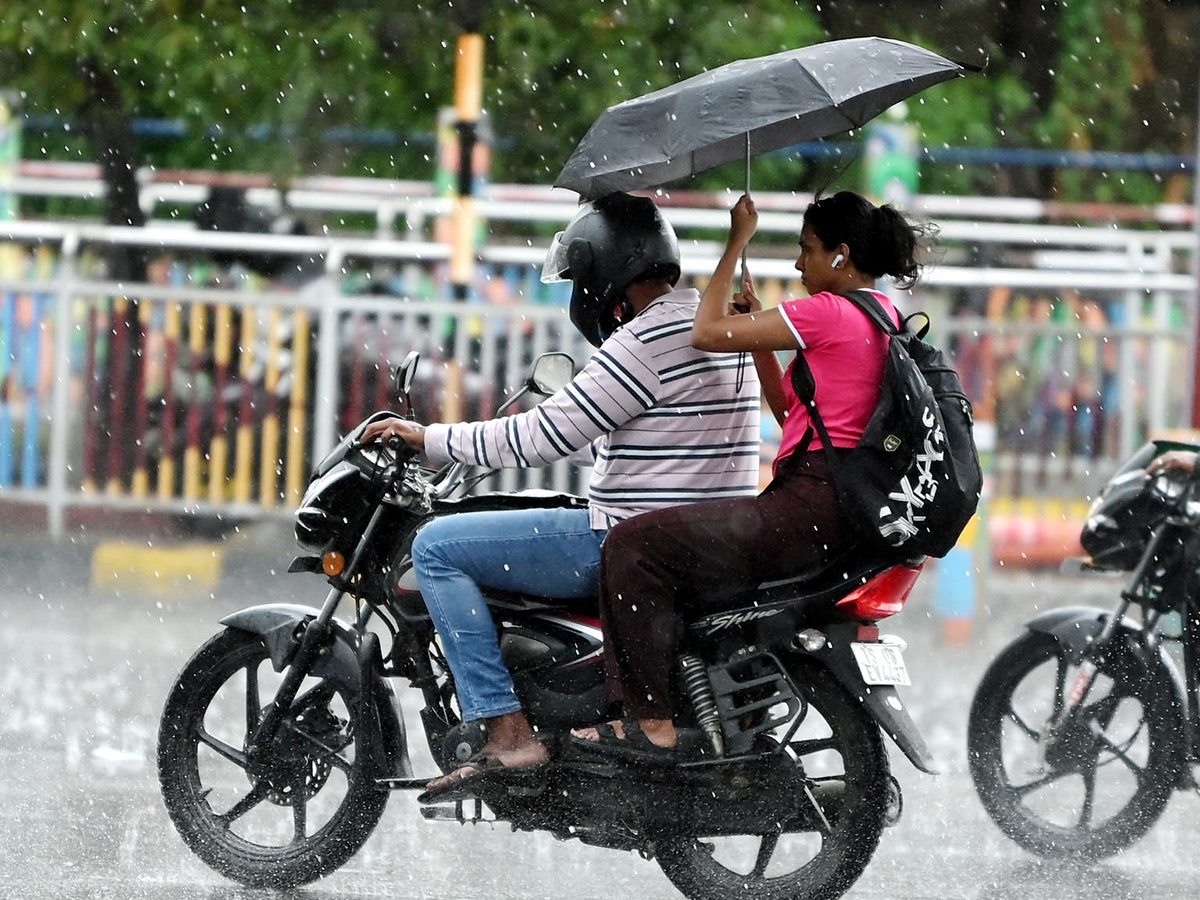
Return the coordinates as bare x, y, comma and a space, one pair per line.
835, 579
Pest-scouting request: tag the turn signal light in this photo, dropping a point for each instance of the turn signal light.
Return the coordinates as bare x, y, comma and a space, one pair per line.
333, 563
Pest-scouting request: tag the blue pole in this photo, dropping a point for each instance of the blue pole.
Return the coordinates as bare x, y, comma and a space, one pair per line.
7, 358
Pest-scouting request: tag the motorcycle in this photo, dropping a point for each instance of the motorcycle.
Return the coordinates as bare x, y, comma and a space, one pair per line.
282, 737
1083, 727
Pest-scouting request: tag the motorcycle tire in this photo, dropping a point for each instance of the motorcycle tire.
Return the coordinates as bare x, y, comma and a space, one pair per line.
1004, 801
856, 830
301, 767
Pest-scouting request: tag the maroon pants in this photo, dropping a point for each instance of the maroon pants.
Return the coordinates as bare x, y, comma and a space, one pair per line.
662, 564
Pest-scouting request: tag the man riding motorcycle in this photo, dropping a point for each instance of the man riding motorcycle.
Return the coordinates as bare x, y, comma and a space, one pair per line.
661, 422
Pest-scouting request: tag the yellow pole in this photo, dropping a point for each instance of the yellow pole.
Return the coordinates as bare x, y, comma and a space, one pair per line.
269, 463
219, 452
468, 107
297, 414
468, 77
191, 456
166, 463
245, 431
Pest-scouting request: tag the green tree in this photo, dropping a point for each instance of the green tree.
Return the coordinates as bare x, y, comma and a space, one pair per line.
554, 67
1084, 74
230, 71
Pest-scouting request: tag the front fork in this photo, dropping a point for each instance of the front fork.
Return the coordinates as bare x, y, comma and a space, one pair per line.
1089, 670
313, 643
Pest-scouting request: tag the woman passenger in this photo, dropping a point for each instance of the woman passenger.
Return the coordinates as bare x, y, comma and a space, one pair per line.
662, 563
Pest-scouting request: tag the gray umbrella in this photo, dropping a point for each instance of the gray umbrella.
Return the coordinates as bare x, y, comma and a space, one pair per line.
746, 108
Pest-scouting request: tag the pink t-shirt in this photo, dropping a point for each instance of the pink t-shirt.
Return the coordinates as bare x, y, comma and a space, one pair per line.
846, 353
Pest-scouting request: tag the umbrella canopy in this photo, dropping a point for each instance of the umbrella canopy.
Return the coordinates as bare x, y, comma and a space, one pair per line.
746, 108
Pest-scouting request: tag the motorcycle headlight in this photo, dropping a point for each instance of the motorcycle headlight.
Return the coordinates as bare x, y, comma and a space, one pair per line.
333, 502
1099, 523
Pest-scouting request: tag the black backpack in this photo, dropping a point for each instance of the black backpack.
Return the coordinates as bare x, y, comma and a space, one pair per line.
913, 480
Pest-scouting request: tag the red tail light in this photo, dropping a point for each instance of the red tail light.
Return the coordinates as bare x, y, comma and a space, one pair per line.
883, 595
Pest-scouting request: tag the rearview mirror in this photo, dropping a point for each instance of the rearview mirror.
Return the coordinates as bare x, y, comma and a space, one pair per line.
405, 373
551, 372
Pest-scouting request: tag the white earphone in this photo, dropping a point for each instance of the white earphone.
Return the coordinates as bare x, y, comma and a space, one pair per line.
838, 260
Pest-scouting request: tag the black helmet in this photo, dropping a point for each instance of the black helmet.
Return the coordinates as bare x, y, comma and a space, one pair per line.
610, 244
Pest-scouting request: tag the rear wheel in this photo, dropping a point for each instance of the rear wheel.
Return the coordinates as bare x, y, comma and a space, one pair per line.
843, 770
301, 817
1082, 786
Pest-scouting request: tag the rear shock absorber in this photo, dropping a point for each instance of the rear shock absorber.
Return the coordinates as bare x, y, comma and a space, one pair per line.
699, 690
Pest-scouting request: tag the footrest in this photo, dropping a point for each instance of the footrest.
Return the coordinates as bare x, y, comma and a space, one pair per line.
455, 813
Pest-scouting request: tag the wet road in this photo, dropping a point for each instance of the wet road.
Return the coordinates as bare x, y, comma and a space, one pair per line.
83, 675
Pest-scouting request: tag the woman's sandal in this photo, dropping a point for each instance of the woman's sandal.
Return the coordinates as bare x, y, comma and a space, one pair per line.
635, 746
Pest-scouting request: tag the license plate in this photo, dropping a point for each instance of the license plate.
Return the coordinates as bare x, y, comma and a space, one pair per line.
880, 663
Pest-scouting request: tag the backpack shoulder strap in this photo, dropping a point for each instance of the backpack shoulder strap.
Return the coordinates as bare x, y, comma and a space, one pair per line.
805, 387
919, 332
873, 310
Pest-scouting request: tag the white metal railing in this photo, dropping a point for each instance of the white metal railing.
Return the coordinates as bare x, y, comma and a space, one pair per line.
392, 199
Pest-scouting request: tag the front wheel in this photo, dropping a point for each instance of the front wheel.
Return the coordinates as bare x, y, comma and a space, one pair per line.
304, 813
1078, 783
842, 766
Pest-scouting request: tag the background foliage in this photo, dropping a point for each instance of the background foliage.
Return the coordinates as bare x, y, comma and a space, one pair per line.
266, 86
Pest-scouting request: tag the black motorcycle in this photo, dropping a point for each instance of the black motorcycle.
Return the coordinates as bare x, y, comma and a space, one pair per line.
281, 738
1083, 726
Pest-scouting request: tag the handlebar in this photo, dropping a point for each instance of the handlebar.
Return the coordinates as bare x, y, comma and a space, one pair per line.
396, 455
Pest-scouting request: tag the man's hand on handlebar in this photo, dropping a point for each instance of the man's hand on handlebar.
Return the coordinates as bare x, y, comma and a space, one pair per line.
1173, 461
404, 430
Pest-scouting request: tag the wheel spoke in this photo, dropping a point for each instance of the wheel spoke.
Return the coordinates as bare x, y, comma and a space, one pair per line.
1120, 753
253, 700
1102, 711
765, 850
1089, 796
803, 748
317, 694
1030, 786
329, 754
339, 762
824, 827
237, 757
299, 811
1033, 733
256, 796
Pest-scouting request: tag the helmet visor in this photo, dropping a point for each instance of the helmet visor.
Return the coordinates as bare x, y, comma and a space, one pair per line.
556, 268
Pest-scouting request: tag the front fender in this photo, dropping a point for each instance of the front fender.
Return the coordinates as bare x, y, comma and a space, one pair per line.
1075, 627
278, 624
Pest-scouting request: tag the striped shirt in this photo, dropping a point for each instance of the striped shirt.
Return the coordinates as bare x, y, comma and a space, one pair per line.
660, 422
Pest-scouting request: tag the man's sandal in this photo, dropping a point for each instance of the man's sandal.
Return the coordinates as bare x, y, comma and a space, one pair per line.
459, 784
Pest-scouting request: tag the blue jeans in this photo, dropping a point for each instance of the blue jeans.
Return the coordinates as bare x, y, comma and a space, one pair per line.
545, 552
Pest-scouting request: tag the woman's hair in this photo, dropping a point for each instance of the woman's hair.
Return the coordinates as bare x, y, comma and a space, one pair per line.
881, 240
